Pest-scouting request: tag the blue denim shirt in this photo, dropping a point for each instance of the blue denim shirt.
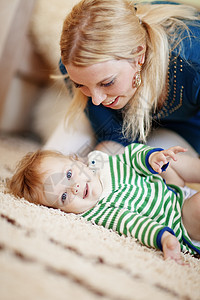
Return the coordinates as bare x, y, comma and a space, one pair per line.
181, 110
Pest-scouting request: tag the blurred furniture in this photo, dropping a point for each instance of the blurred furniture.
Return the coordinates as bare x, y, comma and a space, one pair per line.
17, 58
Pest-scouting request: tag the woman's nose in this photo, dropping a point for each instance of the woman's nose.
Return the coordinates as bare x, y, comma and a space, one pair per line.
98, 97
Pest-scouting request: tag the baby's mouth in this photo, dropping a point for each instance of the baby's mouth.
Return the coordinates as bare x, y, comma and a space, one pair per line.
86, 191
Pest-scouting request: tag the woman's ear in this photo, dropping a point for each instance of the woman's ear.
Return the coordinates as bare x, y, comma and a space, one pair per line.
141, 58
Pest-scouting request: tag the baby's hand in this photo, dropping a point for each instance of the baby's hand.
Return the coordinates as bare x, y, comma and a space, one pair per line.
158, 159
171, 248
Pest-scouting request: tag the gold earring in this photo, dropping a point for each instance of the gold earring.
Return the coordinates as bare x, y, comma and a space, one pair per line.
137, 79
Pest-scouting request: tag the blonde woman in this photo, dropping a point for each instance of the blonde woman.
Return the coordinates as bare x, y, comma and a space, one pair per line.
135, 68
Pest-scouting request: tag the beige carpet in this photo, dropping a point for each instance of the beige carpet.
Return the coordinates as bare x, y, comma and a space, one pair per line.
47, 254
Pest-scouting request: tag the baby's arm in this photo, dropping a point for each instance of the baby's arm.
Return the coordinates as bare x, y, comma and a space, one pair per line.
150, 234
158, 159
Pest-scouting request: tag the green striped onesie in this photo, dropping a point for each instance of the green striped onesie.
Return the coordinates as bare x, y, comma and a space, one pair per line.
135, 200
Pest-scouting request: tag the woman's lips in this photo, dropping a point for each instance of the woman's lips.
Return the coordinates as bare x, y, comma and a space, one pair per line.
112, 104
86, 191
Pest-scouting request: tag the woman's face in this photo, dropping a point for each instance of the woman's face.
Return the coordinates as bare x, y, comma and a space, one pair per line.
107, 83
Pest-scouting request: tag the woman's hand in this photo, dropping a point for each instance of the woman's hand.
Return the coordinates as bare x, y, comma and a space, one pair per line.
158, 159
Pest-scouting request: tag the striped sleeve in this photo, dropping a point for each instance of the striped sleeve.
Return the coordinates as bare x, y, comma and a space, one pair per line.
126, 223
137, 157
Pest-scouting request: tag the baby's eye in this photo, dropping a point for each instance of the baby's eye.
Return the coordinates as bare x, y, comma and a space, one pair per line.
69, 174
64, 197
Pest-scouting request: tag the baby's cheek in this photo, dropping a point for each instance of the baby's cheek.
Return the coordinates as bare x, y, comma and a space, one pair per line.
50, 199
68, 200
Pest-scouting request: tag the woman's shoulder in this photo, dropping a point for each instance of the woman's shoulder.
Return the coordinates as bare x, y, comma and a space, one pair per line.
164, 2
189, 46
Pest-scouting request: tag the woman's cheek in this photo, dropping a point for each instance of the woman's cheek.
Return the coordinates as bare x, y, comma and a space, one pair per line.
85, 91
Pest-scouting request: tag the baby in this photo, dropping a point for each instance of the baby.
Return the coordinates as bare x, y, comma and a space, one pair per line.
127, 193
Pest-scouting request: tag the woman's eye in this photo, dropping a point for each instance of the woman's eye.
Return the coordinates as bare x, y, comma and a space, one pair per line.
77, 85
69, 174
64, 197
109, 83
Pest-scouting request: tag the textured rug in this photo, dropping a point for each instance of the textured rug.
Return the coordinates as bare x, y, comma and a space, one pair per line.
48, 254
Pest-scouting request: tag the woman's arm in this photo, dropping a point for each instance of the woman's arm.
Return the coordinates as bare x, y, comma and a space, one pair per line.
110, 147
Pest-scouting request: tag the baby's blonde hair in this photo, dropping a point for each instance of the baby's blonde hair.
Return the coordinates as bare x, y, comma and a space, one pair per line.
100, 30
27, 181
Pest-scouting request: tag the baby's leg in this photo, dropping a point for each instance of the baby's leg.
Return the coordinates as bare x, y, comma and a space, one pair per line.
185, 169
191, 216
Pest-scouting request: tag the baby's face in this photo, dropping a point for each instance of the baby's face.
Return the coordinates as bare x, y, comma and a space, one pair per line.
69, 184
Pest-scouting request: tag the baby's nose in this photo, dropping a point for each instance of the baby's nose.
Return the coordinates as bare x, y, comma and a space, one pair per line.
75, 189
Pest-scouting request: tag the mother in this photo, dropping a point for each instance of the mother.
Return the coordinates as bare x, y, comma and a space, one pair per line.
135, 68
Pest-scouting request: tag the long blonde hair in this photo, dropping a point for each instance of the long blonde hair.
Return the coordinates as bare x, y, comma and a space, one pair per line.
100, 30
